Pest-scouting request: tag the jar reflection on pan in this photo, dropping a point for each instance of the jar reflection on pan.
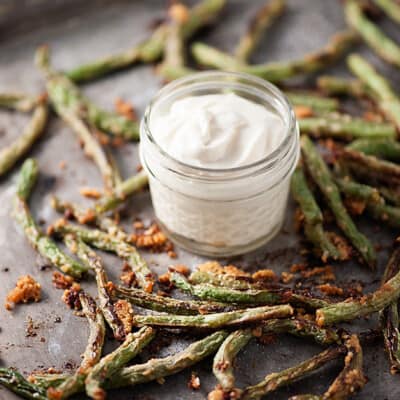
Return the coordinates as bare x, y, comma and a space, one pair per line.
221, 212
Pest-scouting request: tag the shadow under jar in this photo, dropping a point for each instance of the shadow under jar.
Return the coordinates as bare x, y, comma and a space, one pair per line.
220, 212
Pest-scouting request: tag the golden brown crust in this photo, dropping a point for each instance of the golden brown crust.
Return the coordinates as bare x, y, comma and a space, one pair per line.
124, 312
216, 268
264, 275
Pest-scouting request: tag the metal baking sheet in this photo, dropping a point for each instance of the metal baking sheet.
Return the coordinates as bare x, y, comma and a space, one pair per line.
77, 34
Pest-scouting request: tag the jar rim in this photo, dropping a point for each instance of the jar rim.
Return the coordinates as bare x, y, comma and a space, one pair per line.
268, 161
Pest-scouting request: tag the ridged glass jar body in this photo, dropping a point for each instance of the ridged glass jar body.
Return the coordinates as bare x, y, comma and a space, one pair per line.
220, 212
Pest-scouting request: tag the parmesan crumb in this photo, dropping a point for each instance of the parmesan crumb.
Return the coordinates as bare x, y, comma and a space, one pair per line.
303, 112
178, 12
151, 238
216, 394
194, 382
286, 277
264, 275
61, 281
128, 277
165, 279
125, 108
331, 290
325, 273
180, 268
26, 290
91, 193
71, 297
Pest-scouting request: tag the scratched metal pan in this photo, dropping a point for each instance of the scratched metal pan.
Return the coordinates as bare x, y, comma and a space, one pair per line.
79, 32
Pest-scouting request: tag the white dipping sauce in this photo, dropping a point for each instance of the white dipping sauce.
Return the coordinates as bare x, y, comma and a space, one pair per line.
200, 153
217, 131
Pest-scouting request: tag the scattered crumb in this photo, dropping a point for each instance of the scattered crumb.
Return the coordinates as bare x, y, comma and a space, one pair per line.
90, 193
264, 275
31, 327
26, 290
149, 286
216, 394
138, 225
344, 247
324, 273
71, 297
89, 216
194, 382
110, 287
58, 224
165, 279
125, 108
303, 111
178, 12
128, 277
330, 290
139, 168
155, 239
219, 394
286, 277
61, 281
172, 254
180, 268
297, 268
124, 312
151, 238
62, 164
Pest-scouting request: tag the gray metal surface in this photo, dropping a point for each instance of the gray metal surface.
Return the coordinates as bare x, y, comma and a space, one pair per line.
108, 27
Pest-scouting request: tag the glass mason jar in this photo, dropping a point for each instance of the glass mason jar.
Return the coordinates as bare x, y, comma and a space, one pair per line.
220, 212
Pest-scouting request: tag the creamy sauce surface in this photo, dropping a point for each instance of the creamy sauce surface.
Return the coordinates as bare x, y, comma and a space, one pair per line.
217, 131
